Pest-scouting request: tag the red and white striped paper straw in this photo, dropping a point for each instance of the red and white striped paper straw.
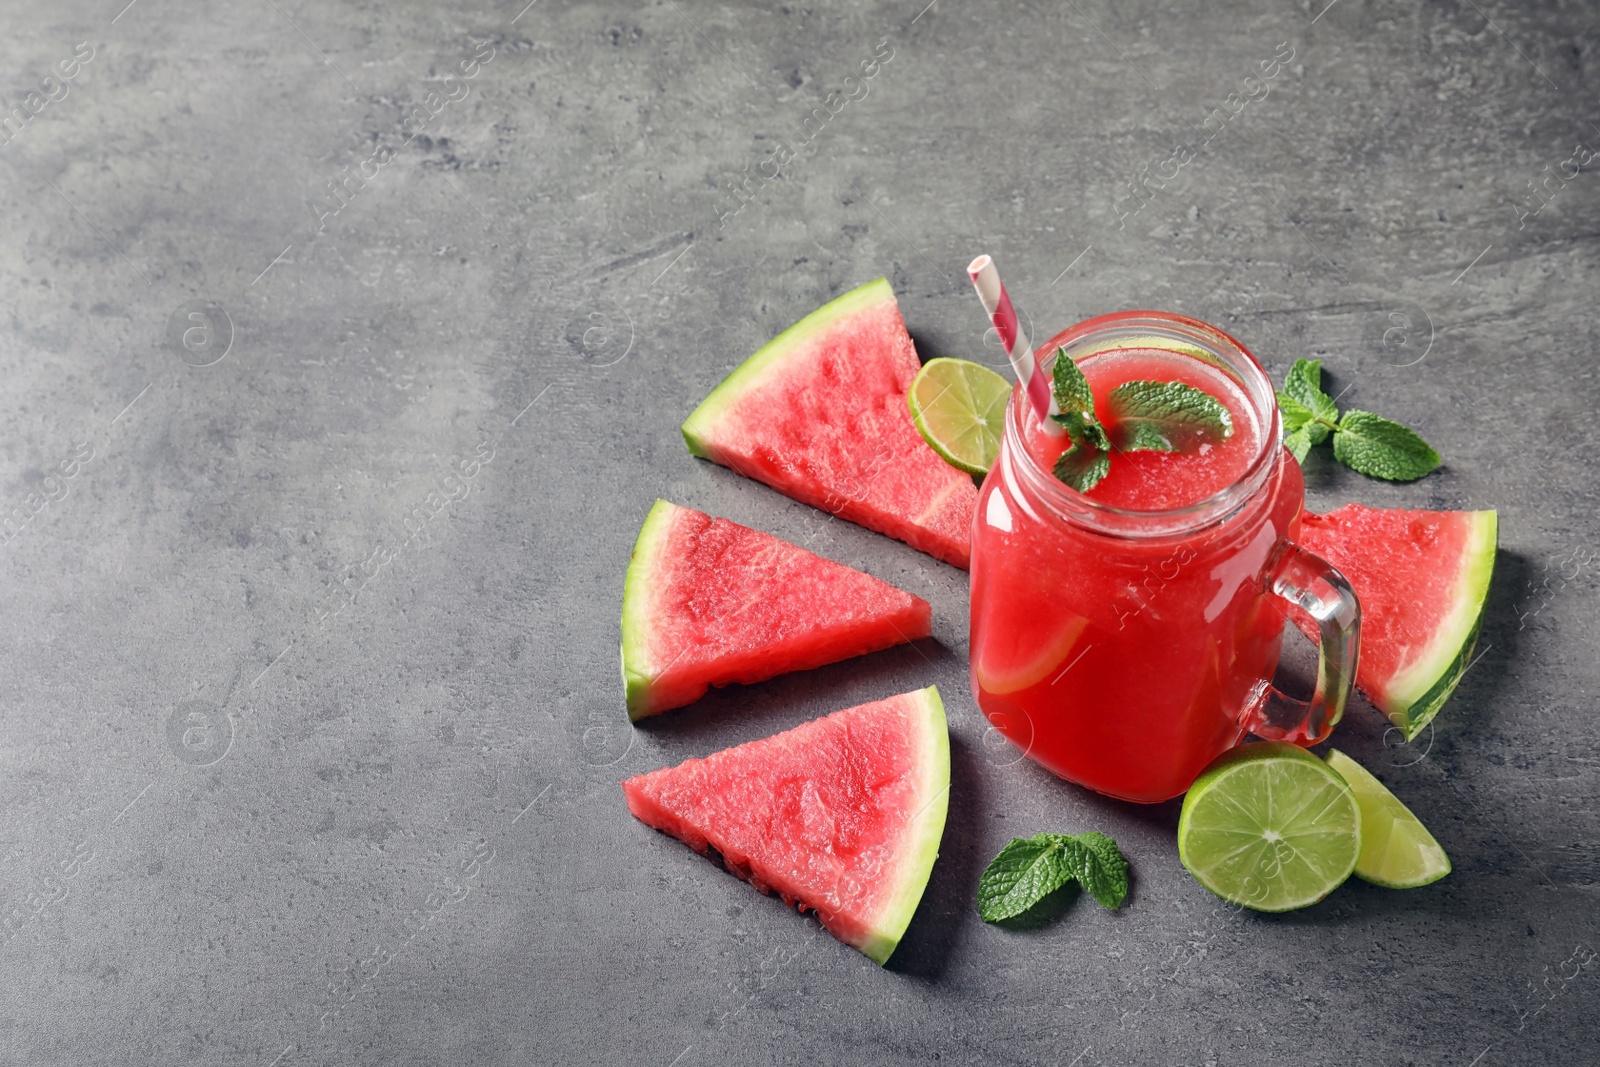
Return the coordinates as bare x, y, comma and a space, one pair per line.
1036, 384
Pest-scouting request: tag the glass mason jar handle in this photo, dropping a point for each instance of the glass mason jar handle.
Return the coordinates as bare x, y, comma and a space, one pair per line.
1313, 585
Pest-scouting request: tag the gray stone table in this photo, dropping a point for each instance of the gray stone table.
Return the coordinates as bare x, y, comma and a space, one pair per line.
345, 348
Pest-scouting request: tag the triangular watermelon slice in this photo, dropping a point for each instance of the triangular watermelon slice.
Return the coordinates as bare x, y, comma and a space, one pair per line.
709, 602
1422, 578
842, 815
820, 414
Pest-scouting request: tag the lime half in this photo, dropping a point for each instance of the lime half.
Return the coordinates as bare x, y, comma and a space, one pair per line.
1396, 849
1271, 827
960, 410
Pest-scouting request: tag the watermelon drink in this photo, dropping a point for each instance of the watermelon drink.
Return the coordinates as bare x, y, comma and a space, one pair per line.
1126, 636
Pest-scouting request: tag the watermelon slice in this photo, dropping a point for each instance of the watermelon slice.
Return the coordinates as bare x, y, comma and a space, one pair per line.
709, 602
841, 815
820, 414
1422, 578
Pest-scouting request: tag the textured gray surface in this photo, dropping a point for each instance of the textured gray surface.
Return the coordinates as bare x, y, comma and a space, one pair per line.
311, 730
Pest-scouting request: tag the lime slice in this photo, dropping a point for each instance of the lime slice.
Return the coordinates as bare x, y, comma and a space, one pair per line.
1269, 826
1396, 849
1013, 660
960, 410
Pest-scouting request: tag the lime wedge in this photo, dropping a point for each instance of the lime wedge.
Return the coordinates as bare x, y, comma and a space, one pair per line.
960, 410
1269, 826
1396, 849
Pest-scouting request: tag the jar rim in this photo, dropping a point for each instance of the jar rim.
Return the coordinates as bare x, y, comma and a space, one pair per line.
1217, 348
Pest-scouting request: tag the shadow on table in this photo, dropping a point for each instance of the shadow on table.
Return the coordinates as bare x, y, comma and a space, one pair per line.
1366, 733
1472, 704
940, 920
1361, 901
733, 714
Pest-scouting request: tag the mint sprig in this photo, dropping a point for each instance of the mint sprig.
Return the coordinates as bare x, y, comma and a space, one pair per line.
1366, 443
1147, 416
1029, 869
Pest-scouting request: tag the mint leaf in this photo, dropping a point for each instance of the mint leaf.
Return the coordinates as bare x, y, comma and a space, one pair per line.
1140, 436
1084, 429
1071, 387
1299, 443
1081, 467
1025, 872
1303, 383
1377, 447
1103, 869
1166, 416
1295, 414
1029, 869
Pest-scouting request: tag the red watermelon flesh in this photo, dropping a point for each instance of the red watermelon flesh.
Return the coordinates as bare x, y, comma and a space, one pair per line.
709, 602
1422, 578
820, 414
842, 815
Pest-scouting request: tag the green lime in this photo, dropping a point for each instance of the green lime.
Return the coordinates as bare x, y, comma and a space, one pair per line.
1269, 826
1396, 849
960, 409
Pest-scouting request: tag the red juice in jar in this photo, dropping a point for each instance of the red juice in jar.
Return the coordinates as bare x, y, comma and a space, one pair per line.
1126, 636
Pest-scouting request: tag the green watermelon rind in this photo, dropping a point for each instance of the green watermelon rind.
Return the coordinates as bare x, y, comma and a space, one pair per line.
1414, 696
639, 674
922, 847
701, 424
